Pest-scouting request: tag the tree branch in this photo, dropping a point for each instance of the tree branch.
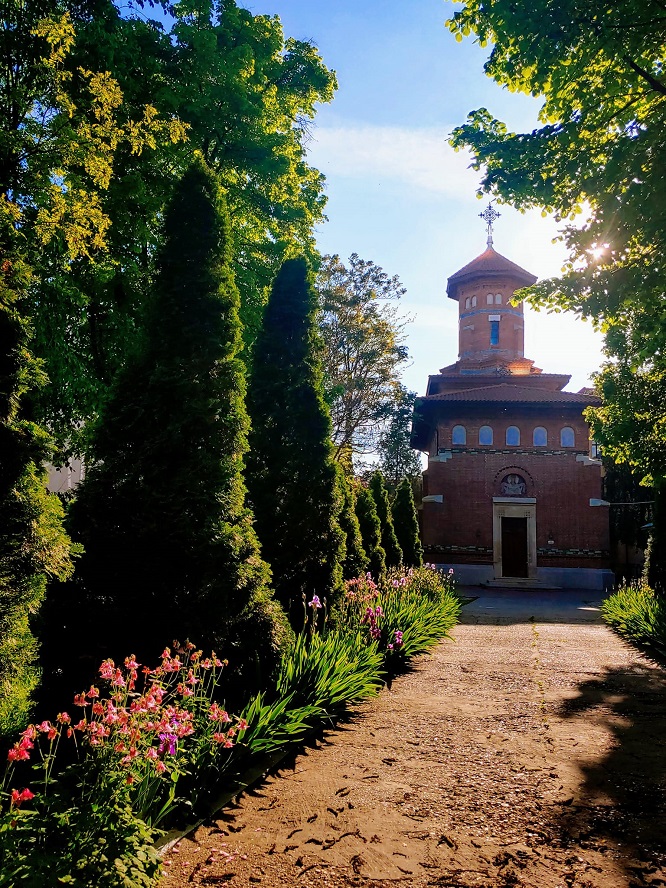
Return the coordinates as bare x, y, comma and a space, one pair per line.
656, 85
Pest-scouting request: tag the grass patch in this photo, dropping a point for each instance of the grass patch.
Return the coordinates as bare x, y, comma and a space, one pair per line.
638, 614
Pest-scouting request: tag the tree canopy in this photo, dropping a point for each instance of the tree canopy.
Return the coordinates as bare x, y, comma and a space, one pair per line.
397, 459
364, 350
103, 108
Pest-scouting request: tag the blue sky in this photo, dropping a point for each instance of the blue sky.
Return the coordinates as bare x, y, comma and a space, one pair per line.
397, 194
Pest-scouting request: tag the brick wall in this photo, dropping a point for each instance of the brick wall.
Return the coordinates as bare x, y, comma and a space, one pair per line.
474, 321
469, 477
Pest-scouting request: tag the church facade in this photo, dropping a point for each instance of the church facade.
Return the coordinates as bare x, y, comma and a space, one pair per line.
512, 490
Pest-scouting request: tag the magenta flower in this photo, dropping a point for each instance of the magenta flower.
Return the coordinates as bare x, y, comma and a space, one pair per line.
168, 744
315, 603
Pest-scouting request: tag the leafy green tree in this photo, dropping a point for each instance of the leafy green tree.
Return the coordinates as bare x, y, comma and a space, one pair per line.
291, 474
364, 350
406, 524
65, 128
397, 459
371, 531
389, 540
170, 551
597, 152
33, 544
627, 425
355, 561
56, 157
243, 95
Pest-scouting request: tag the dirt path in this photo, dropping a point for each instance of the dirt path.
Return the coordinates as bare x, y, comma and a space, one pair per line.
526, 753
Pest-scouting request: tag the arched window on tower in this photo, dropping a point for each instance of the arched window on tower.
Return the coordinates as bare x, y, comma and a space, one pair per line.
498, 298
473, 301
567, 437
485, 435
540, 437
489, 299
513, 436
467, 302
459, 435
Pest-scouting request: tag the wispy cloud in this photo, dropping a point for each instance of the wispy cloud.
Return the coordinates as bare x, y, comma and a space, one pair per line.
420, 158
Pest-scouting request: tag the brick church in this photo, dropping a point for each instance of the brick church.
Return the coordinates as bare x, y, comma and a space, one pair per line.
512, 491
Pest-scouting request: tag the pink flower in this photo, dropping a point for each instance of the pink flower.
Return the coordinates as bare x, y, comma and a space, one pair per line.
63, 718
160, 767
118, 681
130, 662
106, 670
93, 692
242, 725
80, 700
217, 714
24, 796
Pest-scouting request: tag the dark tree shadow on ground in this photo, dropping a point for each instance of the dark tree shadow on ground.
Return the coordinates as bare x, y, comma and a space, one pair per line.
622, 800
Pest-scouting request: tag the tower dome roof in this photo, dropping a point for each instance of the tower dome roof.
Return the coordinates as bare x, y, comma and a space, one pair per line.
489, 264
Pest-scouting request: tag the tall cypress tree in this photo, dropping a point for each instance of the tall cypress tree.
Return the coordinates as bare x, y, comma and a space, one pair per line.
406, 524
292, 478
371, 531
356, 561
389, 540
33, 543
170, 547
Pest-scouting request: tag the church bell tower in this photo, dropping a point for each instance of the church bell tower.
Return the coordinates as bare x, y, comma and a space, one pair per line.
490, 328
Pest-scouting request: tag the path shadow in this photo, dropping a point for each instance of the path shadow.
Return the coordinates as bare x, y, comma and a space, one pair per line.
622, 800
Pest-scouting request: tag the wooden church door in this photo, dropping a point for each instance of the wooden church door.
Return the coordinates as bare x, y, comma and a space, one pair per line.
514, 547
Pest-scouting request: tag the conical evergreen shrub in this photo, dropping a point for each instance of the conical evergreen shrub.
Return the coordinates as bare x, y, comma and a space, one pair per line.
33, 543
406, 524
355, 562
291, 475
389, 540
171, 551
371, 532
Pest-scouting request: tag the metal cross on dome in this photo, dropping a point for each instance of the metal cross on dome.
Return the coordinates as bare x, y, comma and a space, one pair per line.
490, 215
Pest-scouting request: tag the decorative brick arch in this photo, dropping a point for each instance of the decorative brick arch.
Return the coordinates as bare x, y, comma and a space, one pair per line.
513, 470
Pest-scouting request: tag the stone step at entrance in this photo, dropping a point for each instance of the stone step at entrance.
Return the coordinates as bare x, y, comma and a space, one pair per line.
519, 583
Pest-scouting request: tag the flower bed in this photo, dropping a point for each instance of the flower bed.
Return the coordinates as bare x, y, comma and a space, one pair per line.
84, 797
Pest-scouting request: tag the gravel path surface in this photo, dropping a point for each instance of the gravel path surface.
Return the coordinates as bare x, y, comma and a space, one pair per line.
530, 751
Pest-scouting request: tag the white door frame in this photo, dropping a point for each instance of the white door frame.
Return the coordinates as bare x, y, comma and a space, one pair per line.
514, 507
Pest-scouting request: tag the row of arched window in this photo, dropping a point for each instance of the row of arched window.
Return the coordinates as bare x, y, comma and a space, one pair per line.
491, 299
539, 436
